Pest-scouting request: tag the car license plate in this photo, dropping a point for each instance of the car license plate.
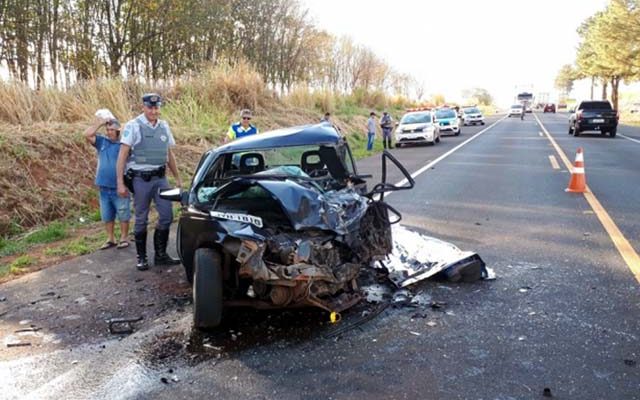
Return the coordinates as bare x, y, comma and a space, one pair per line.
598, 121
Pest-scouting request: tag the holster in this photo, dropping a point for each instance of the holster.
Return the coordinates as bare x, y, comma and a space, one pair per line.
128, 180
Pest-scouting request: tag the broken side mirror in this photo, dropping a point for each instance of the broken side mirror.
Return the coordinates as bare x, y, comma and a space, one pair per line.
383, 187
175, 194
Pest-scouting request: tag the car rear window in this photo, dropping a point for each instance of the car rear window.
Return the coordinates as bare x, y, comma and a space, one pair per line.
595, 105
471, 110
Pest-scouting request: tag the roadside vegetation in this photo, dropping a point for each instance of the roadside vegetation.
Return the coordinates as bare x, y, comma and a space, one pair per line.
607, 54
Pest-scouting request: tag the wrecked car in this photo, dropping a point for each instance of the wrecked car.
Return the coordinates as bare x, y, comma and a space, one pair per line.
281, 219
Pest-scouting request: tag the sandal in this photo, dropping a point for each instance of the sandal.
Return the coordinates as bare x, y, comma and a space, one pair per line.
123, 244
108, 245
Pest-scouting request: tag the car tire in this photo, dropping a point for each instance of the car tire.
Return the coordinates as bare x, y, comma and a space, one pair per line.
481, 123
399, 145
458, 133
612, 133
207, 289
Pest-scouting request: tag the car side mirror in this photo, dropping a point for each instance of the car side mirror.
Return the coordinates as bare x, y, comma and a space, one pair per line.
175, 194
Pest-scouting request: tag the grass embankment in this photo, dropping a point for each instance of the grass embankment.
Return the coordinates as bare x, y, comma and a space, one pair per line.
49, 204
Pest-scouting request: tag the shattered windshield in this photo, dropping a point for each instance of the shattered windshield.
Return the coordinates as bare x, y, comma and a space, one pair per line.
324, 165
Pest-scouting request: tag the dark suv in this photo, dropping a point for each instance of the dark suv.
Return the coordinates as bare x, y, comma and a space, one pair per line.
281, 219
594, 115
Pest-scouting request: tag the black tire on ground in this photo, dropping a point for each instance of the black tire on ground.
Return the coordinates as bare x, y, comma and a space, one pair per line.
399, 145
458, 133
207, 289
482, 123
612, 133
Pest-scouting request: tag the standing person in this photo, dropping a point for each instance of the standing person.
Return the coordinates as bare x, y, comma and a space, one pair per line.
111, 205
371, 130
242, 128
386, 123
147, 149
326, 117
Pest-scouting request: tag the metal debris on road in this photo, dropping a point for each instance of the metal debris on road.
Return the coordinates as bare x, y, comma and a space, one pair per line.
120, 326
631, 363
3, 298
18, 344
31, 329
547, 392
360, 321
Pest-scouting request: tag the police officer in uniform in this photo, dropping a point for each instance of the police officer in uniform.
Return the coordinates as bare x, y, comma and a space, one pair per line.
242, 128
146, 149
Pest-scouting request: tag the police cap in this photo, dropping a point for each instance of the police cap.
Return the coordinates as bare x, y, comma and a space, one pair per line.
152, 100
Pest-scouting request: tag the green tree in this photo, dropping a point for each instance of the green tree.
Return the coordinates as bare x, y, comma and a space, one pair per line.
564, 80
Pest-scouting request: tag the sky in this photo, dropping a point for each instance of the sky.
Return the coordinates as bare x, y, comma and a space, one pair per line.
503, 46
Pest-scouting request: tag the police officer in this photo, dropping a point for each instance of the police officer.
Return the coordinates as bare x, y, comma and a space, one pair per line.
242, 128
146, 149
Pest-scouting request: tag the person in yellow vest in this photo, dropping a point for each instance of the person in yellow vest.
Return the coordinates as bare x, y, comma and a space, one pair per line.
242, 128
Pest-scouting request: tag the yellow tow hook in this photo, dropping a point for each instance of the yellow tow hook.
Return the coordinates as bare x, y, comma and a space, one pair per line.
335, 317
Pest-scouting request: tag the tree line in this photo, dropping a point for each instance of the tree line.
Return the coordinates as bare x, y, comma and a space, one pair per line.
608, 52
54, 42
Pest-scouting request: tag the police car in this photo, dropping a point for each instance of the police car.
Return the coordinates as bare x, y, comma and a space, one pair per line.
448, 121
417, 126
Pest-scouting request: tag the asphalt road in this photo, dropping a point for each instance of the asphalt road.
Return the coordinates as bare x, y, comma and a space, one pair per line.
563, 313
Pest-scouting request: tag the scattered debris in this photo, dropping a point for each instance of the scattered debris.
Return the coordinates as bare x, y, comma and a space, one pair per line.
416, 257
2, 298
120, 326
547, 392
18, 344
524, 289
437, 305
631, 363
432, 324
30, 329
415, 333
164, 380
360, 321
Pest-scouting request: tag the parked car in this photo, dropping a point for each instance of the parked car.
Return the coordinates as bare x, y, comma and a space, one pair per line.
471, 116
549, 107
417, 127
448, 121
281, 219
594, 115
516, 109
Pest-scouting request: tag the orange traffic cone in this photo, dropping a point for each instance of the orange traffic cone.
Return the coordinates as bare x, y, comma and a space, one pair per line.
578, 182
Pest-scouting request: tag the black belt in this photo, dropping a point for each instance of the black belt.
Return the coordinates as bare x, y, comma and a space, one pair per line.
147, 175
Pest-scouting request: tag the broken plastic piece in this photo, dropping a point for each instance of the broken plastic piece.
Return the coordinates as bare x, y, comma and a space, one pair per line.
335, 317
119, 326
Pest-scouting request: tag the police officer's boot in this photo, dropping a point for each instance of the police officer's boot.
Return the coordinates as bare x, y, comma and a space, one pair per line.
141, 250
160, 240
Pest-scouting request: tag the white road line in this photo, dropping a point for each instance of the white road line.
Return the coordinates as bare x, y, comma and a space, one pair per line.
445, 155
628, 138
554, 162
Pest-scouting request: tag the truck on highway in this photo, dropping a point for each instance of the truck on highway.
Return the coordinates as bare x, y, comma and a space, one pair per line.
593, 115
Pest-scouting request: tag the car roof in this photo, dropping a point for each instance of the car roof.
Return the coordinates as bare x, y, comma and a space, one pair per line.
322, 133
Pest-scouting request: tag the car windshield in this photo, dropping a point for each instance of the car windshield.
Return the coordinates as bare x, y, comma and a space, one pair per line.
595, 105
471, 110
516, 106
416, 118
445, 114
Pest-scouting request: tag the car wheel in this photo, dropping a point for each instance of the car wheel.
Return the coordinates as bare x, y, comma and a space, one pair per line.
207, 289
612, 133
482, 123
458, 133
399, 145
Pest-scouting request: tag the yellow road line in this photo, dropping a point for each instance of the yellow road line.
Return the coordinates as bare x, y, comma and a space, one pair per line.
554, 162
623, 246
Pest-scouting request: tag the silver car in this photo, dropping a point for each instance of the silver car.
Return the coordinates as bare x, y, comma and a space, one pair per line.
417, 127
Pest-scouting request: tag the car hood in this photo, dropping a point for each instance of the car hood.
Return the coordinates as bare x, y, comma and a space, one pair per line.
402, 127
307, 206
